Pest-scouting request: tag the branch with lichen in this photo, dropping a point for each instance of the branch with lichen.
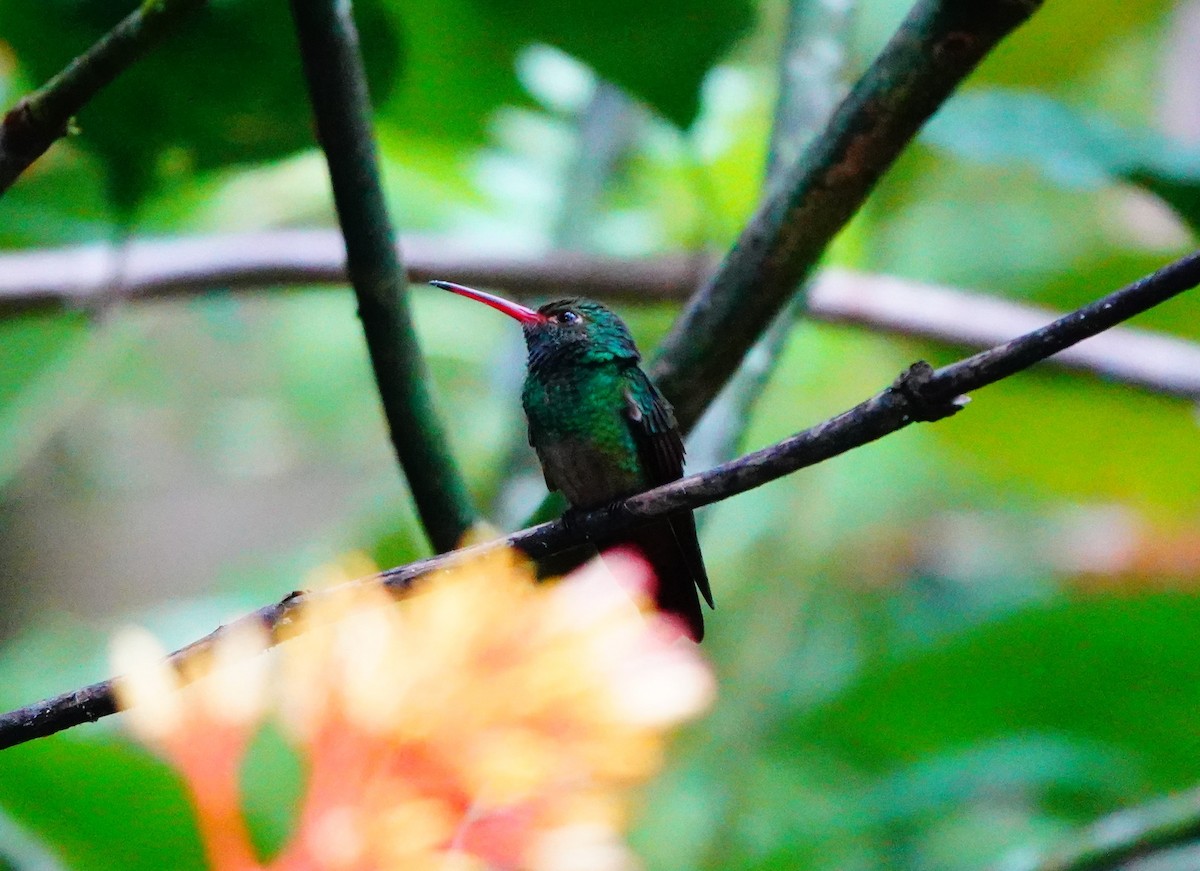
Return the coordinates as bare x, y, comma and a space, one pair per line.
937, 45
920, 394
337, 87
41, 118
1117, 839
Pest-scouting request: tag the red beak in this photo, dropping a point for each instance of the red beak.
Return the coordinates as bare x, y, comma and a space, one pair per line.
512, 309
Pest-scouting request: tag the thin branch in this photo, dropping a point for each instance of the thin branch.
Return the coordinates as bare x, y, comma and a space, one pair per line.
939, 43
812, 64
78, 277
607, 129
919, 394
44, 116
1112, 841
81, 276
337, 86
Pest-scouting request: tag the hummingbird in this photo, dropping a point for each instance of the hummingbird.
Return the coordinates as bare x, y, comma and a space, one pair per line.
602, 432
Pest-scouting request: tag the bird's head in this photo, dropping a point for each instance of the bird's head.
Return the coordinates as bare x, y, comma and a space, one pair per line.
562, 331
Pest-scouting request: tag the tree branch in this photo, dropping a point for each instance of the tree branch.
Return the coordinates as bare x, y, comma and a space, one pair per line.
80, 277
812, 64
44, 116
939, 43
1112, 841
607, 129
337, 86
919, 394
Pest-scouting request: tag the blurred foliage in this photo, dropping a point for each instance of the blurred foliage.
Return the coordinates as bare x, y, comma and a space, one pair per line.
227, 88
189, 104
1070, 148
964, 640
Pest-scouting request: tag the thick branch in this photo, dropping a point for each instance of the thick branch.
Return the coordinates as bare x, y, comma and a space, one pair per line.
337, 86
40, 118
939, 43
81, 277
1111, 842
921, 393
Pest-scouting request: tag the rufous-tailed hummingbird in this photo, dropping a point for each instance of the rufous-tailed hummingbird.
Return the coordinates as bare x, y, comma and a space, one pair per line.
603, 432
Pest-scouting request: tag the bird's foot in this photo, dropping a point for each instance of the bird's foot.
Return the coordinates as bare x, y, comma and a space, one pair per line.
573, 518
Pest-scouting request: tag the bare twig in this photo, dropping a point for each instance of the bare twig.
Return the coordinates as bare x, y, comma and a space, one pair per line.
607, 130
939, 43
42, 117
80, 278
919, 394
812, 64
337, 86
1115, 840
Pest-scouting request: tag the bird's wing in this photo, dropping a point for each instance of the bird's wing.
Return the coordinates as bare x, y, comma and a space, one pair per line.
660, 448
654, 430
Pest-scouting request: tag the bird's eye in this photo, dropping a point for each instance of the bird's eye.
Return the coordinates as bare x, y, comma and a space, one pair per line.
568, 317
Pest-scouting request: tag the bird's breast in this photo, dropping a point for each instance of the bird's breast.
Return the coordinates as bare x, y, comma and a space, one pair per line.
588, 474
578, 425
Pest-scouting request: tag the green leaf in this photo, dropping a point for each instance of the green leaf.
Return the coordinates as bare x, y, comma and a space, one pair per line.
225, 88
1084, 441
1110, 672
272, 790
634, 44
20, 851
1071, 148
1066, 46
105, 806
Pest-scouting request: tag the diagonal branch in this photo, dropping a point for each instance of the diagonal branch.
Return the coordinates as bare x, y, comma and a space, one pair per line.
44, 116
1112, 842
935, 48
337, 86
919, 394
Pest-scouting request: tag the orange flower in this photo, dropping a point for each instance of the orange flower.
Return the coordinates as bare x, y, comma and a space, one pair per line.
484, 721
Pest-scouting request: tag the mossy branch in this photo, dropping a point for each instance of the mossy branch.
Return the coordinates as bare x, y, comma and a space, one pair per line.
811, 66
938, 44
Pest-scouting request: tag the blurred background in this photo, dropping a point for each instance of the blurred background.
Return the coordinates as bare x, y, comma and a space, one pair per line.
960, 642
